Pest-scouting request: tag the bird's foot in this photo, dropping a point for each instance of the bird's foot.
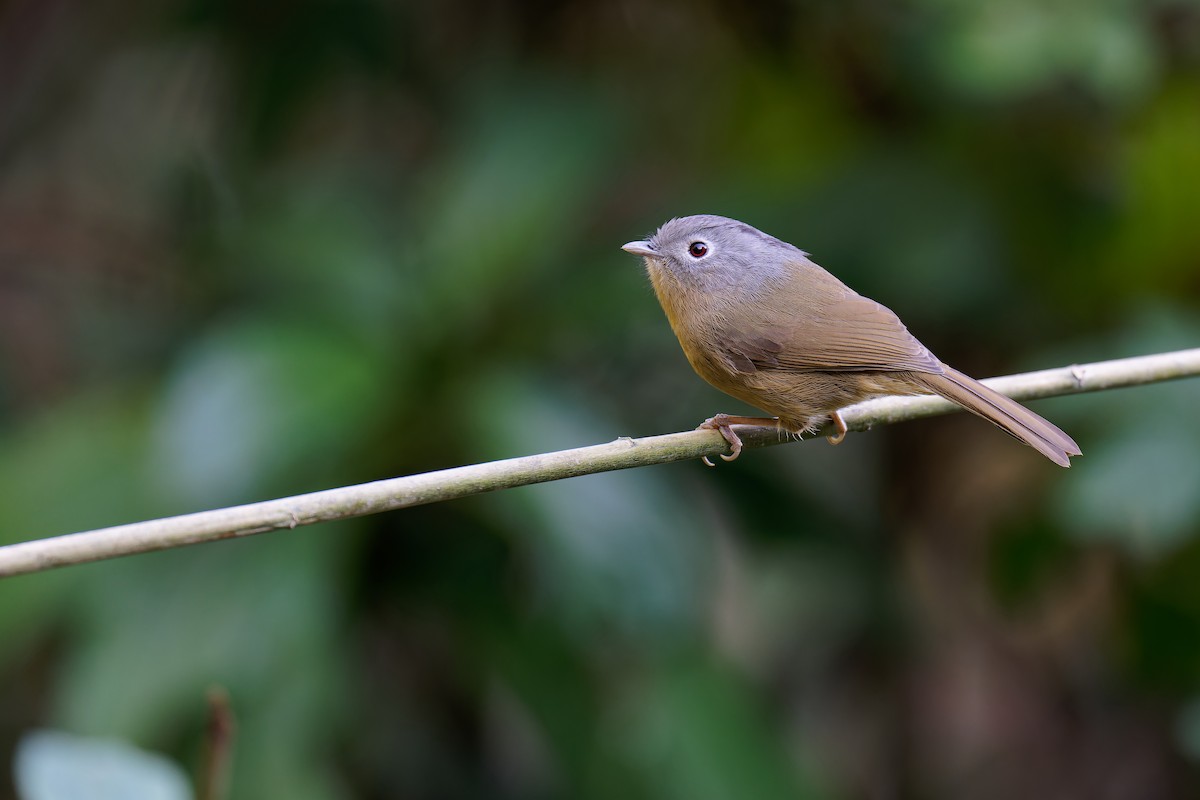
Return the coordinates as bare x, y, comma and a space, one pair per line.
840, 424
722, 423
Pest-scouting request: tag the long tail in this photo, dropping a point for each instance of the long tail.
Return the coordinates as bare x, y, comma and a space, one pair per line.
1008, 414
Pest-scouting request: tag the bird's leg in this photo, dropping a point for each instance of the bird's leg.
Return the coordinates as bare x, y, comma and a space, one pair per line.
840, 424
721, 422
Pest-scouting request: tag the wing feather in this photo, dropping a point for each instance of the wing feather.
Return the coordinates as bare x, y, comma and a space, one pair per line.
831, 329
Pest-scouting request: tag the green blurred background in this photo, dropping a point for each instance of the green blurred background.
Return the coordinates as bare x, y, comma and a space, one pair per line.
256, 249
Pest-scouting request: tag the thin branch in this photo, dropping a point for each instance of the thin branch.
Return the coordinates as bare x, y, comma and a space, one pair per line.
220, 731
432, 487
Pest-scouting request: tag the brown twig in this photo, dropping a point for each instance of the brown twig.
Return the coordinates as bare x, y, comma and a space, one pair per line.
220, 731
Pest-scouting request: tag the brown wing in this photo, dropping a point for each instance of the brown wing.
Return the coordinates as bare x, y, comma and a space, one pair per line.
827, 328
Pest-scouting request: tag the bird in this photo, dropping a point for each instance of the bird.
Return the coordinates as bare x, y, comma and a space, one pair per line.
760, 321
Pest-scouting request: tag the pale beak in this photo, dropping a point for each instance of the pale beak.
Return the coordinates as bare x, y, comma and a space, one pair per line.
639, 249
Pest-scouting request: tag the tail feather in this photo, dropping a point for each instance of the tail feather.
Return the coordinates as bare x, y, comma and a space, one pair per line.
1008, 414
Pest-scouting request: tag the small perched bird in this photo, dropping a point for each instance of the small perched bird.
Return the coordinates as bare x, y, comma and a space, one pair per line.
761, 322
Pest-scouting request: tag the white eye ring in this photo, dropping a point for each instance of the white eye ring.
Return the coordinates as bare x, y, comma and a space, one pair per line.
698, 249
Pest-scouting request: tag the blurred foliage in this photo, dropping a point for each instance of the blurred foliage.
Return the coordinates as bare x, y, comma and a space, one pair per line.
254, 249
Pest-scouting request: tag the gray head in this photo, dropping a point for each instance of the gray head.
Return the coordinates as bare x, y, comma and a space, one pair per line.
716, 253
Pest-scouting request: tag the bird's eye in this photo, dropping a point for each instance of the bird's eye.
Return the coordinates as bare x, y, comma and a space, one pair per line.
697, 249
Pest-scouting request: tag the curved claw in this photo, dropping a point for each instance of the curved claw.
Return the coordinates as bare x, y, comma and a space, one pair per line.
840, 424
720, 423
